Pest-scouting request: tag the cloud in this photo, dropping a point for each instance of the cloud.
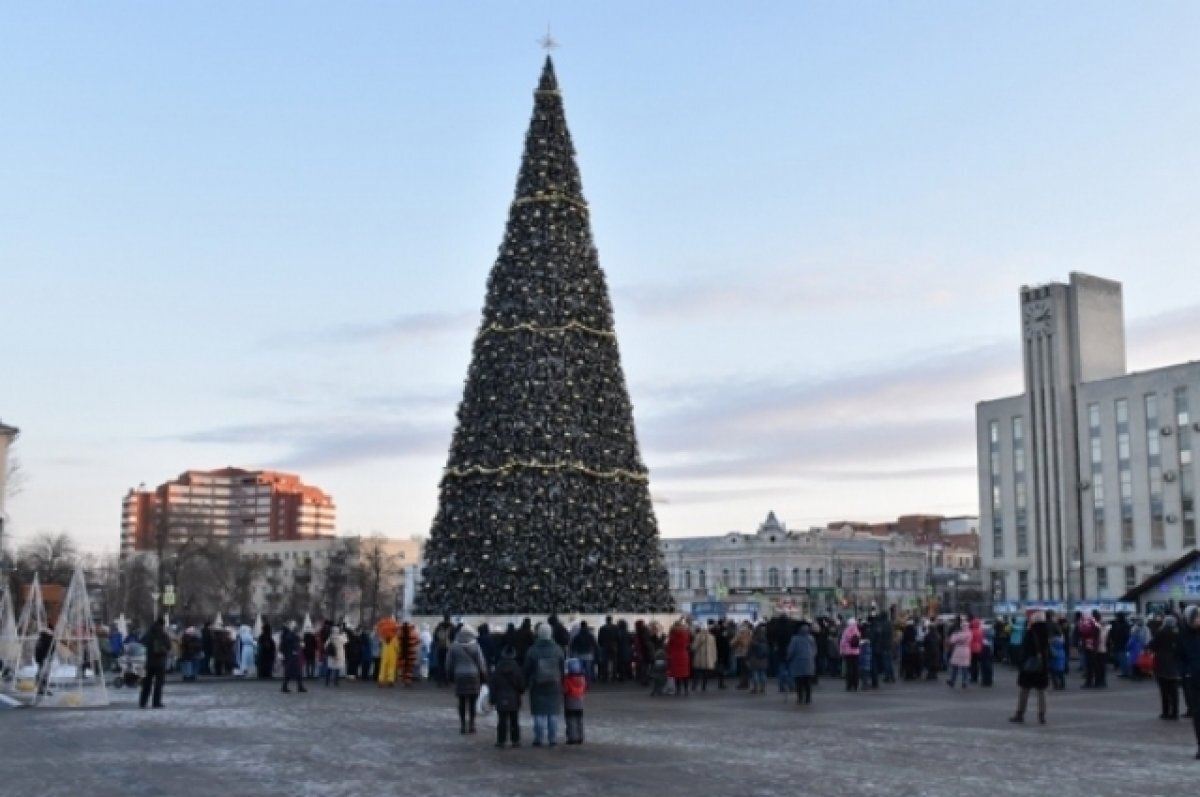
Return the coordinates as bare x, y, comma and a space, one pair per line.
409, 327
331, 442
906, 419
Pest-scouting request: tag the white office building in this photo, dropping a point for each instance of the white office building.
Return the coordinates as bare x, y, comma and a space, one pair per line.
1086, 480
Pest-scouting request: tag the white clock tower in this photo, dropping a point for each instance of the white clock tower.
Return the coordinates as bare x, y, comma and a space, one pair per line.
1072, 333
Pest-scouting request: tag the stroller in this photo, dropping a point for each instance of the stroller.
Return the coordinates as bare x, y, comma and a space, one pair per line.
130, 667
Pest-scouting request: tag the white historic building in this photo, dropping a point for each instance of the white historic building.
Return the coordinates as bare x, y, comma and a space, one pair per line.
1086, 480
805, 573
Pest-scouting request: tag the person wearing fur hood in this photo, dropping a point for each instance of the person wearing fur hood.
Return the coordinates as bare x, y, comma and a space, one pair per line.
467, 669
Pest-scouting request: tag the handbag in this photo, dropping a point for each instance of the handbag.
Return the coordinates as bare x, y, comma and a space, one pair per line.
483, 706
1033, 664
1145, 662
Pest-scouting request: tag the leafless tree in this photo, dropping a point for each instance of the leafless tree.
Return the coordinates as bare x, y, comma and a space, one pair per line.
52, 556
376, 574
339, 574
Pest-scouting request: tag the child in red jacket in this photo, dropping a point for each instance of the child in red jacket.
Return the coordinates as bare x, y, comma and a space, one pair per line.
574, 688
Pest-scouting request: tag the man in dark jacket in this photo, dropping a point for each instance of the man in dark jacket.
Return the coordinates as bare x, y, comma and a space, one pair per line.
206, 643
606, 650
41, 656
505, 688
289, 648
524, 639
443, 636
723, 648
158, 649
1189, 662
1118, 638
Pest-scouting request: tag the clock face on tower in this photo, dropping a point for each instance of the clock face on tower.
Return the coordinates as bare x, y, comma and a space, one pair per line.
1039, 320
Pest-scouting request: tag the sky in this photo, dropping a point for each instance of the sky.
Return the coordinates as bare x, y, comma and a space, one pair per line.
258, 234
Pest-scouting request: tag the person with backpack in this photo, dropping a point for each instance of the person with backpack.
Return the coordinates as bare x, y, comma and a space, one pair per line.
505, 688
543, 673
574, 688
466, 666
158, 649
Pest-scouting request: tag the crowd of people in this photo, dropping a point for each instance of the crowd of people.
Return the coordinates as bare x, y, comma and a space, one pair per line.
554, 664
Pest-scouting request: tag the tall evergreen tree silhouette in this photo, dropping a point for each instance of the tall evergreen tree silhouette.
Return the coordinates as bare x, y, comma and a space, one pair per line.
545, 502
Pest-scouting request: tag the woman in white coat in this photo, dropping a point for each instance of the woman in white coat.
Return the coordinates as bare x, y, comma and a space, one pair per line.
335, 655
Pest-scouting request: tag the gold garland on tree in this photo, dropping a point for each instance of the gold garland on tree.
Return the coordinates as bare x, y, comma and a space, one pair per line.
615, 473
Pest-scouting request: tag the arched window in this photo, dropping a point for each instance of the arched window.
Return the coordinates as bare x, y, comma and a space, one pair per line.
874, 579
854, 579
795, 576
703, 580
724, 578
820, 577
891, 579
687, 579
773, 577
742, 577
808, 576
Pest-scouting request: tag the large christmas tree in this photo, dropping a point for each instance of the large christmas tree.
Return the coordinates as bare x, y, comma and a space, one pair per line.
545, 502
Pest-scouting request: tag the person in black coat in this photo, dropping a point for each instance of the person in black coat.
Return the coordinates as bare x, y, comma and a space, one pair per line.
606, 650
289, 649
41, 657
1189, 662
158, 649
624, 652
1034, 667
266, 653
310, 654
524, 638
932, 652
1165, 646
910, 653
206, 643
505, 688
723, 651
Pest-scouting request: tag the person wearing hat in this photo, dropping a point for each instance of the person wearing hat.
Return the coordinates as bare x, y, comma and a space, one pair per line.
1165, 646
574, 688
1034, 667
543, 674
158, 648
802, 662
289, 648
467, 669
505, 688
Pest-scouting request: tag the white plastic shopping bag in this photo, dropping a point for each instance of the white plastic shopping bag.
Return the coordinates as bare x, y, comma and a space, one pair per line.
483, 706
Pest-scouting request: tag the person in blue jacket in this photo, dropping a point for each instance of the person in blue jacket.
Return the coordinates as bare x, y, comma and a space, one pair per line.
1058, 660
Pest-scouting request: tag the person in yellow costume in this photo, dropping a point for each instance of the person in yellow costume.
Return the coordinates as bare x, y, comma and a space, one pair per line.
389, 651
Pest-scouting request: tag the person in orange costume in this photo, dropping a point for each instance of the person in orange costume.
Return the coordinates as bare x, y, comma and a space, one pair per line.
389, 651
410, 647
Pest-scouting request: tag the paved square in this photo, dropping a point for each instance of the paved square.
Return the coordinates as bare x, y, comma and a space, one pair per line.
245, 738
